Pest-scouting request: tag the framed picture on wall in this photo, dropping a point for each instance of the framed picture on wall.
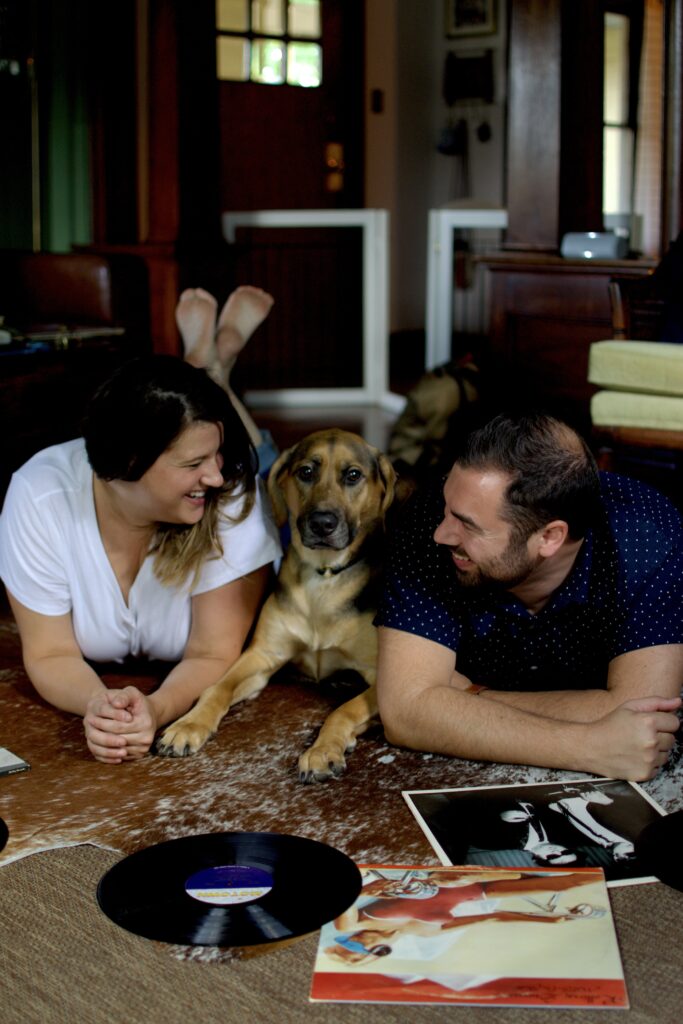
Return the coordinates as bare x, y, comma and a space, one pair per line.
470, 17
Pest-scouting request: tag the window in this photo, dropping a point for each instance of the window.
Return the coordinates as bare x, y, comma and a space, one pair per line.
618, 130
272, 42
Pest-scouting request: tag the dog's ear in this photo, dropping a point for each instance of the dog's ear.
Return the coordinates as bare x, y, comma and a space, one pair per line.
277, 473
387, 476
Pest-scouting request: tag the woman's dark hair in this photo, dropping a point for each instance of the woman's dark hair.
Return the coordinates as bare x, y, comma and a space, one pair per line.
553, 474
142, 408
136, 415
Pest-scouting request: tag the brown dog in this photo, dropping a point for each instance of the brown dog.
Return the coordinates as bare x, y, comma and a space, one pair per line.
335, 490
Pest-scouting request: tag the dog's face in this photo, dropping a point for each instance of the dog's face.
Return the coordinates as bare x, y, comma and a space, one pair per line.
335, 489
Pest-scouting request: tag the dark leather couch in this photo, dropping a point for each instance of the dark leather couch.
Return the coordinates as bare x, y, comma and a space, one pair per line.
96, 308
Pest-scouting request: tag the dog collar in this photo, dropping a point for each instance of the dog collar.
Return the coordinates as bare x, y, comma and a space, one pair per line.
332, 570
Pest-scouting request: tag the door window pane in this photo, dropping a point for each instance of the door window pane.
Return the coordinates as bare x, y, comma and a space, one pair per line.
268, 17
304, 19
232, 58
304, 64
232, 15
268, 61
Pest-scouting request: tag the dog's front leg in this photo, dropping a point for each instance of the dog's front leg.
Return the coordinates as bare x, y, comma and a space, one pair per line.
338, 735
246, 678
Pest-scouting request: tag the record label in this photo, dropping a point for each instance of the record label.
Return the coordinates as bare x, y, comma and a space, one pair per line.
228, 883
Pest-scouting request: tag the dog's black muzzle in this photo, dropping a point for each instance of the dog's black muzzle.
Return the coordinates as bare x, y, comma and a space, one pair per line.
324, 528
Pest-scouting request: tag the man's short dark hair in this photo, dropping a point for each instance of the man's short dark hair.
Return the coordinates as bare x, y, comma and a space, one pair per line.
552, 470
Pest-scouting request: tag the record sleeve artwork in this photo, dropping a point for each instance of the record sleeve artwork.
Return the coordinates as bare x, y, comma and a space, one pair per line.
581, 823
230, 889
473, 936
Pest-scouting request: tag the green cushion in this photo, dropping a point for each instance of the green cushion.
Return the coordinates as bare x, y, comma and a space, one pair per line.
655, 367
629, 409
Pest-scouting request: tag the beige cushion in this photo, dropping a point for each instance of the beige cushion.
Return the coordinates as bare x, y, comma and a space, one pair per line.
629, 409
655, 367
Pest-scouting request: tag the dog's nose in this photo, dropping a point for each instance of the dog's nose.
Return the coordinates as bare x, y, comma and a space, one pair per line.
322, 524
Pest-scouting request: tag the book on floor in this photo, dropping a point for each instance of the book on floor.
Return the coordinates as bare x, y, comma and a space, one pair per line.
473, 936
10, 763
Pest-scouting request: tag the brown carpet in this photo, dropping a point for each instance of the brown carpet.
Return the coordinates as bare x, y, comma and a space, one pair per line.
61, 959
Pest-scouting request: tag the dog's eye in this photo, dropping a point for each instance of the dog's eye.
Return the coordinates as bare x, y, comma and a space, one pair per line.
353, 476
304, 473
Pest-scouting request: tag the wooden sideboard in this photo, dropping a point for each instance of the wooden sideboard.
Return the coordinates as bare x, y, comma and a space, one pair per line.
545, 312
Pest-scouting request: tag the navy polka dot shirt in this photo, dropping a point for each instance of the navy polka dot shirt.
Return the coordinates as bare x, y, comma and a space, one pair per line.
624, 592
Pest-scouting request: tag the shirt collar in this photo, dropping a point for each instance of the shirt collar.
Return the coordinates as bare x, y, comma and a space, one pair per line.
574, 589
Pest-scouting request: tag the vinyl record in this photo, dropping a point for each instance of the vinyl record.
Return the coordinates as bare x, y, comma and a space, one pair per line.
658, 847
3, 833
229, 889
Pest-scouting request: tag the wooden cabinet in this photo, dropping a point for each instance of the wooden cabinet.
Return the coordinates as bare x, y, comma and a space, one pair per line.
545, 312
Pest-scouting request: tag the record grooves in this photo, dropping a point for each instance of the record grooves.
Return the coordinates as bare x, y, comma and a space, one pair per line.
229, 889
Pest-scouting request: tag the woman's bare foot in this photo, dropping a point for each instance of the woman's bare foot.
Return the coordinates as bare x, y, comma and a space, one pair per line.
246, 308
196, 318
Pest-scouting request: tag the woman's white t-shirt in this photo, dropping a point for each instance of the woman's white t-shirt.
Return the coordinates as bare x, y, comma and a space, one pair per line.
53, 561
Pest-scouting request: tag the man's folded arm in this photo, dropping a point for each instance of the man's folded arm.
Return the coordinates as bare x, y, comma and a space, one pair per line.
648, 672
421, 708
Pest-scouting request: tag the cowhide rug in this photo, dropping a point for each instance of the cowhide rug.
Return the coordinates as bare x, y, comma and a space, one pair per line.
245, 779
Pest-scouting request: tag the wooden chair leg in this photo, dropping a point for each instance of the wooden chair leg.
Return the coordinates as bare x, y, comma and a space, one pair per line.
606, 458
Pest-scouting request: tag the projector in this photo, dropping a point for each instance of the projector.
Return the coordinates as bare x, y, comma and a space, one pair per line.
594, 245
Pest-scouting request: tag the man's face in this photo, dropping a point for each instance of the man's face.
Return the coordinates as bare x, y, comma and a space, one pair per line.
482, 545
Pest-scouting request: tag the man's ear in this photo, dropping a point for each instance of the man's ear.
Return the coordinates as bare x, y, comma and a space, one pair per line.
552, 537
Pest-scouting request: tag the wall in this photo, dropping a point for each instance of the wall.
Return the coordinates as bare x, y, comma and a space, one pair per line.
406, 46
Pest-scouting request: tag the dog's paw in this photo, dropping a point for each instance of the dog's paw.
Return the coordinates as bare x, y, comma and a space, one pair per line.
320, 763
182, 739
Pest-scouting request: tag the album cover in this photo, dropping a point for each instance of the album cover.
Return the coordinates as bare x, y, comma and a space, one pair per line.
473, 936
10, 763
592, 823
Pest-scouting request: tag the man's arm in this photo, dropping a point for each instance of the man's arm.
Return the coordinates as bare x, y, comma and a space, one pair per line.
422, 709
650, 672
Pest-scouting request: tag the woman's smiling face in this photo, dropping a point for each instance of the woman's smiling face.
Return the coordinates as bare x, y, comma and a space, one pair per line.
173, 490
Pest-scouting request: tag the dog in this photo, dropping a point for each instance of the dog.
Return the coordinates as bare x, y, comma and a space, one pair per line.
335, 490
437, 411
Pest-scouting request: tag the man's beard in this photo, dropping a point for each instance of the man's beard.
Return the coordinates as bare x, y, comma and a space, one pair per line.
508, 570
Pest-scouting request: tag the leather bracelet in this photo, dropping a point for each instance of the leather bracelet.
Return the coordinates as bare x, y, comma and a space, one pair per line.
475, 688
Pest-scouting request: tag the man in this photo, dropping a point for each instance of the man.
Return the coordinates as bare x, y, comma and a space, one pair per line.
533, 610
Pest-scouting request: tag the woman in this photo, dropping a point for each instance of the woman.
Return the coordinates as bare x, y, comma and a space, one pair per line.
148, 537
369, 931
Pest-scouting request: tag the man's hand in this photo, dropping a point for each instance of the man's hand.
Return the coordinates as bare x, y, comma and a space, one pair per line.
634, 741
119, 725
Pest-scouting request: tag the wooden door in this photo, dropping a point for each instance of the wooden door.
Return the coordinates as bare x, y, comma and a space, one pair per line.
292, 148
289, 147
